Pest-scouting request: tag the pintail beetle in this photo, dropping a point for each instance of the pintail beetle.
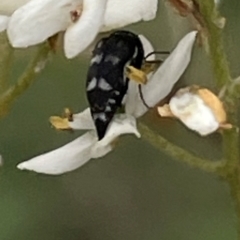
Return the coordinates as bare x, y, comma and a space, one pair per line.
107, 82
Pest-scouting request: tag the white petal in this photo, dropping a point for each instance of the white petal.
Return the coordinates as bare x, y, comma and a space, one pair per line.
80, 35
76, 153
64, 159
122, 124
132, 96
82, 120
37, 20
167, 75
3, 22
147, 46
120, 13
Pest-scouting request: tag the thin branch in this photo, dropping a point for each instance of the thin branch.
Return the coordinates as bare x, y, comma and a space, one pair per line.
223, 79
5, 61
179, 154
234, 184
216, 49
35, 66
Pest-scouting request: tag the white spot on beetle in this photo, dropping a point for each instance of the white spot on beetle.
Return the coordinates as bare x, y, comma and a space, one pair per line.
92, 84
117, 93
113, 59
108, 109
104, 85
112, 101
99, 44
96, 59
135, 52
100, 116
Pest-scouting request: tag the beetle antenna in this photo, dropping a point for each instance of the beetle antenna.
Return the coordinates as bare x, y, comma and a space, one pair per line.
156, 52
150, 61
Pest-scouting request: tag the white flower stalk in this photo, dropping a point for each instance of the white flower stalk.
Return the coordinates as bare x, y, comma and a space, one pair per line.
198, 109
82, 20
81, 150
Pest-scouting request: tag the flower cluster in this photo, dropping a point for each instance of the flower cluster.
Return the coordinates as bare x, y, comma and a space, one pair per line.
87, 146
30, 22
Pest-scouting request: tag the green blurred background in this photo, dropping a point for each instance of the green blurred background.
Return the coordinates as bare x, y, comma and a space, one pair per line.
135, 192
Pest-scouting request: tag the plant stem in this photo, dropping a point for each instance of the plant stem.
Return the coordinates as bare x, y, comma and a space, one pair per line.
216, 49
35, 66
179, 154
5, 61
234, 184
223, 78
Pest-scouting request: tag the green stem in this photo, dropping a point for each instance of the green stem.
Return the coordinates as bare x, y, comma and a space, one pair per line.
234, 184
230, 149
216, 49
232, 170
179, 154
35, 66
5, 61
223, 78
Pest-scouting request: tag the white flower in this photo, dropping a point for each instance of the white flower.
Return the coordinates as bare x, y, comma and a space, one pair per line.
198, 109
37, 20
81, 150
